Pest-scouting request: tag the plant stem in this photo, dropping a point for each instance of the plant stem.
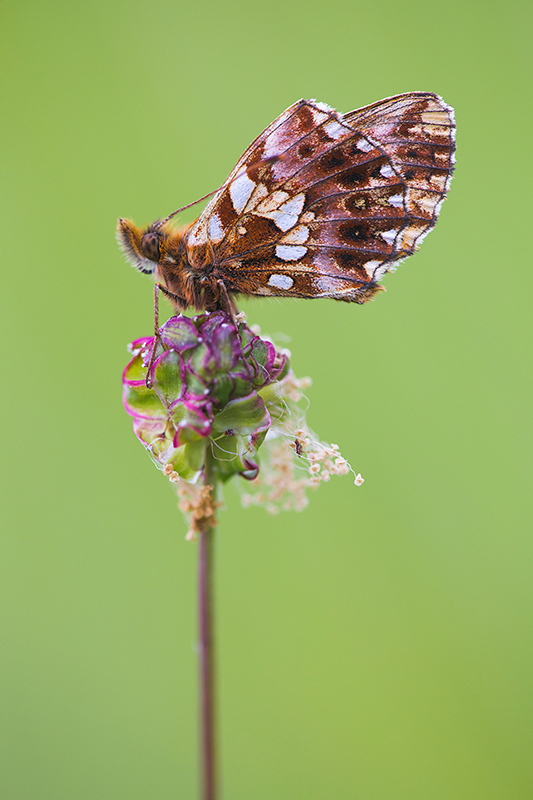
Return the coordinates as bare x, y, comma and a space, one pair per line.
206, 657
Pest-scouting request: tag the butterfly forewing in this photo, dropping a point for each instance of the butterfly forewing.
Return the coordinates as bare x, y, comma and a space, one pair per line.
323, 204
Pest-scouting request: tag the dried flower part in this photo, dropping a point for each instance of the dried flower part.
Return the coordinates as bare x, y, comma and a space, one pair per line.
198, 506
205, 376
293, 459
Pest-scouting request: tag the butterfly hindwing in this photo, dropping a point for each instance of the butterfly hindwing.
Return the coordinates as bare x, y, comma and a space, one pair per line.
323, 204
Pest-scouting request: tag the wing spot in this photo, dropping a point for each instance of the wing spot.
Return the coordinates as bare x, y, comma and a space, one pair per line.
389, 236
365, 146
215, 228
332, 161
396, 200
370, 268
353, 232
387, 171
285, 216
258, 194
240, 190
353, 176
334, 130
306, 150
281, 281
290, 252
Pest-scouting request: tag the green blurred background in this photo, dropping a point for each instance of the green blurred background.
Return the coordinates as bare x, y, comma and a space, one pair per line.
376, 646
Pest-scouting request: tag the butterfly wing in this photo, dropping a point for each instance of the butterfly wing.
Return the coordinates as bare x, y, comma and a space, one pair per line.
323, 204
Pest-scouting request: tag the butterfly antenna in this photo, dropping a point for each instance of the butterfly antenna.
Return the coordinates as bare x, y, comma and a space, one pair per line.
163, 221
256, 165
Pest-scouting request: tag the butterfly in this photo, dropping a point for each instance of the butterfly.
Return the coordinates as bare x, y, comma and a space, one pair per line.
321, 204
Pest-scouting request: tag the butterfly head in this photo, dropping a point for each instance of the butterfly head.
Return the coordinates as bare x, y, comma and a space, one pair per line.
143, 247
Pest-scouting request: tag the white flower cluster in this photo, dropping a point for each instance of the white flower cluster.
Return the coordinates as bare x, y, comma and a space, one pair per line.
293, 459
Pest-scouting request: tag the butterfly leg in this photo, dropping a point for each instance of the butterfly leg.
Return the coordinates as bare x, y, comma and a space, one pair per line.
181, 303
226, 302
149, 383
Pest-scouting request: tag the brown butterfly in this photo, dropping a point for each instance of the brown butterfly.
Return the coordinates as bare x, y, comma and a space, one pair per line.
321, 204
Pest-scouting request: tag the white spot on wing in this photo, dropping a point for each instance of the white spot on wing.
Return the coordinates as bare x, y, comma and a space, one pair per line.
284, 221
197, 234
285, 216
322, 106
396, 200
280, 281
325, 284
240, 190
389, 236
365, 146
334, 130
387, 171
371, 267
294, 205
290, 252
318, 116
215, 229
379, 272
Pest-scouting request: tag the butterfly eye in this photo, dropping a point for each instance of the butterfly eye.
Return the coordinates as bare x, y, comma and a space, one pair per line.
150, 244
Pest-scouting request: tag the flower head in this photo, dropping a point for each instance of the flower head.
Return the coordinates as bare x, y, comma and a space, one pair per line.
205, 379
205, 395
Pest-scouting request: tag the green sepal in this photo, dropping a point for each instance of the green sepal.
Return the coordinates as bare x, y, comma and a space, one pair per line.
242, 416
188, 459
166, 375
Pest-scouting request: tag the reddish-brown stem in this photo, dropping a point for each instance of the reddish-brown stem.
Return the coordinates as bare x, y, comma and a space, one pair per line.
206, 664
